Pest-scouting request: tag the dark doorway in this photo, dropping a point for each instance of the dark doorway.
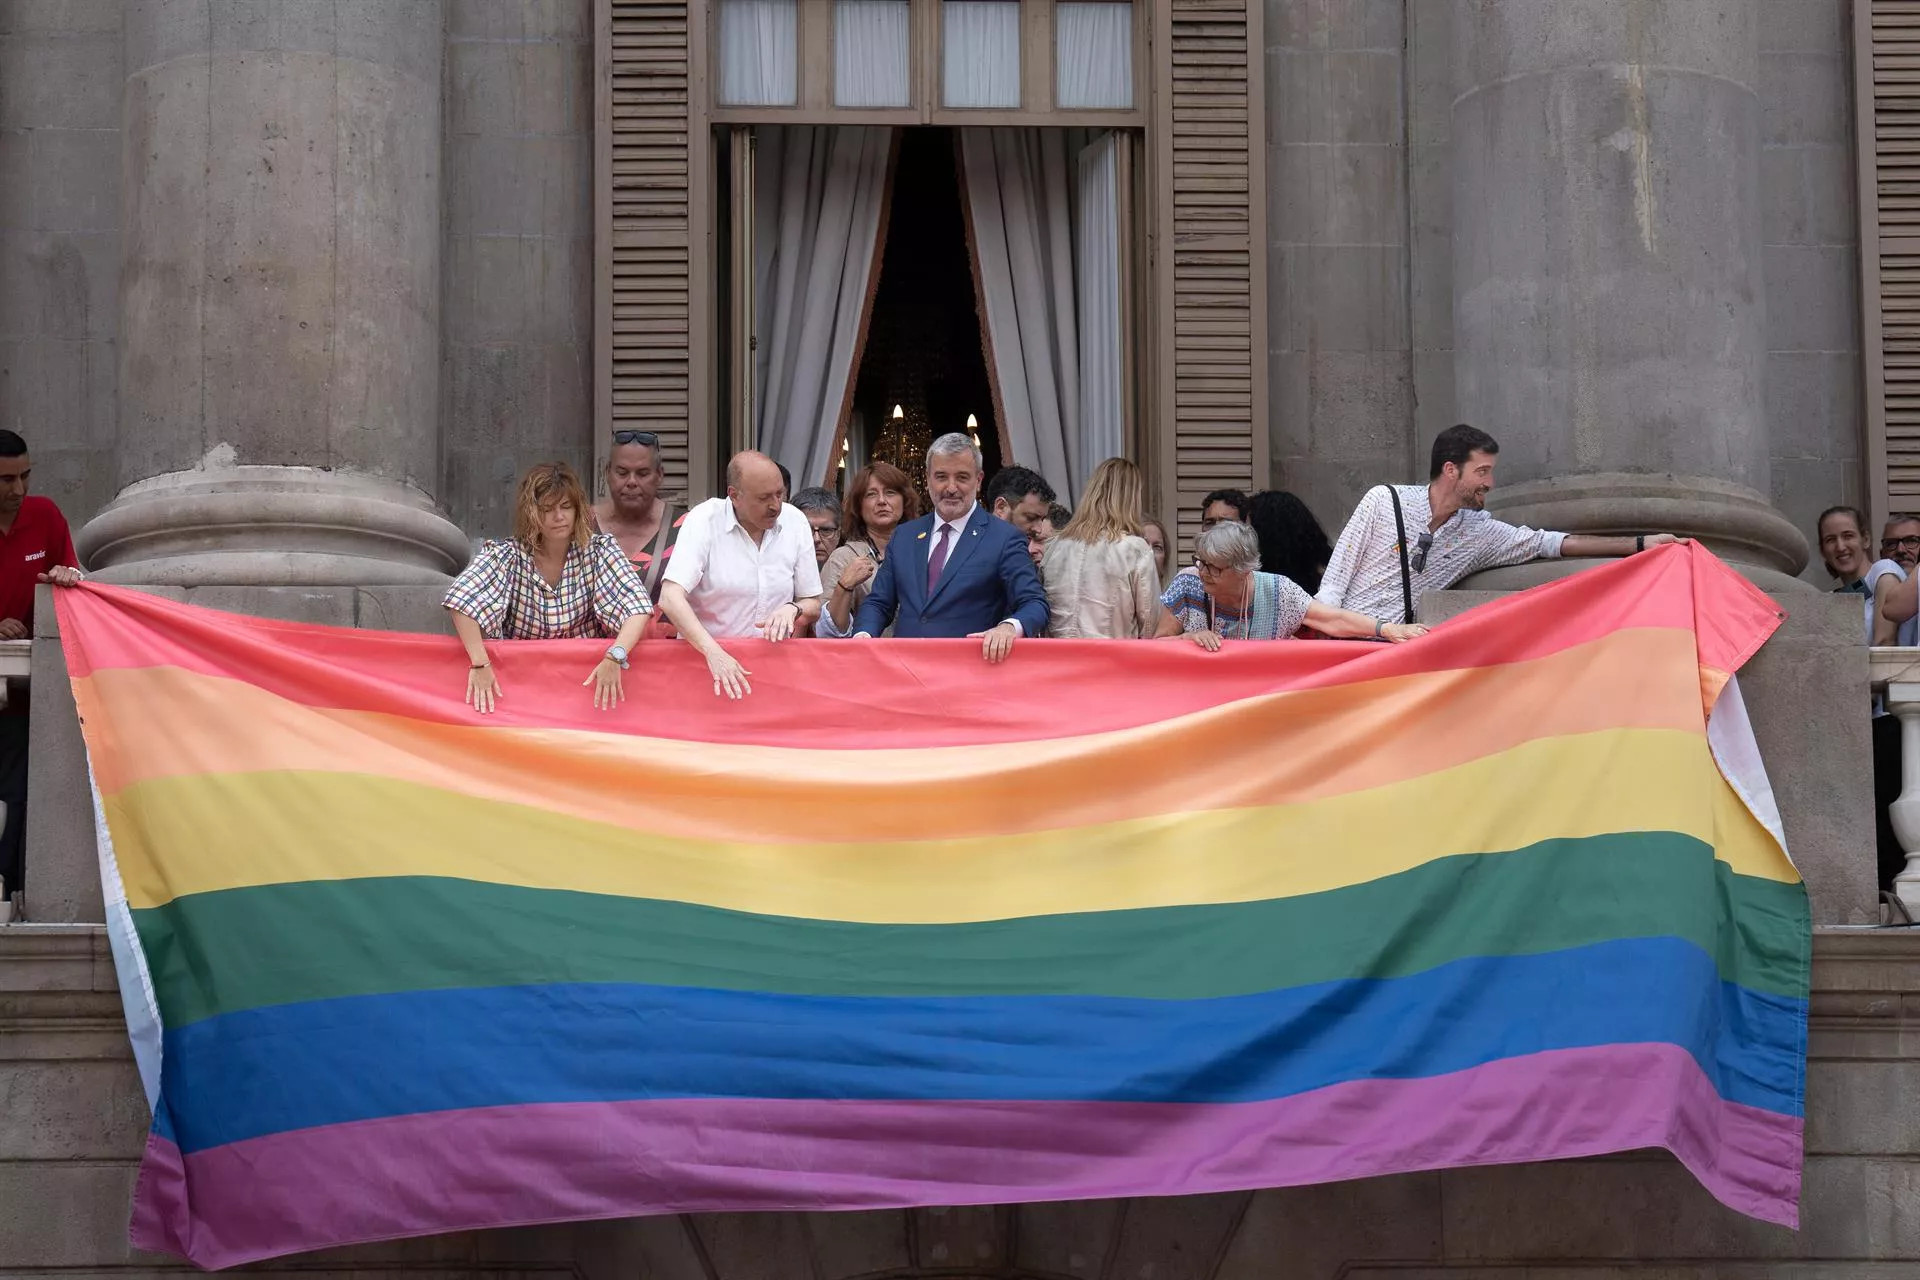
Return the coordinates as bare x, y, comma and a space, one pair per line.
924, 351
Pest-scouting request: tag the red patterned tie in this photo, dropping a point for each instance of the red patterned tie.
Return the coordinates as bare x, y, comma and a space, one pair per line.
939, 560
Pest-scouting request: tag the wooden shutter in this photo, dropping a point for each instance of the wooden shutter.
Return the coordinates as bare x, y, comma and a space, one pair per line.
1887, 55
1213, 262
645, 329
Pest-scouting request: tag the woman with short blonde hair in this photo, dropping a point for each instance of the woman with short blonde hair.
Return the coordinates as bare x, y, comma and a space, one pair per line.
555, 579
1101, 579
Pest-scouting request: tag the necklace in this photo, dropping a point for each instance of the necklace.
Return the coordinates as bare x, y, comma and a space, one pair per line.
1246, 619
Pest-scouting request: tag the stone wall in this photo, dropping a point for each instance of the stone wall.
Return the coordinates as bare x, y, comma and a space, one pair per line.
60, 87
518, 371
1360, 101
1810, 217
515, 271
1340, 361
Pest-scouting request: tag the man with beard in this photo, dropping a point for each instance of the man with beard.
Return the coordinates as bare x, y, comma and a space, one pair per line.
1405, 540
959, 571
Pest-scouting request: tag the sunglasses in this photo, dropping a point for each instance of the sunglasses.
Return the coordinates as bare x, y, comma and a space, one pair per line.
647, 438
1418, 560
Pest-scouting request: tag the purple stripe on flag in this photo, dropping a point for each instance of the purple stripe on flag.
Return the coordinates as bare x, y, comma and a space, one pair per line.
505, 1166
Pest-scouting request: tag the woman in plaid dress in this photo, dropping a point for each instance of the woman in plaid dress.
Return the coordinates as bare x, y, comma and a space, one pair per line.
555, 579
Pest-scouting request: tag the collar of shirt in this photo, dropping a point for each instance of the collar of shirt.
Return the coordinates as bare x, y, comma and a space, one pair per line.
730, 520
576, 555
958, 526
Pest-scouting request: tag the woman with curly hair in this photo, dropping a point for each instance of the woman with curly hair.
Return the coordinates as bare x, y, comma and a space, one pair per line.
1292, 543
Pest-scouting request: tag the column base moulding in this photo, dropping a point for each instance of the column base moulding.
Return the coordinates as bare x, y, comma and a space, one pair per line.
271, 526
1734, 522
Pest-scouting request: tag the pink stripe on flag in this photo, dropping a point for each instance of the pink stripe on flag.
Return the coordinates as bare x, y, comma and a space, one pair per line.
506, 1166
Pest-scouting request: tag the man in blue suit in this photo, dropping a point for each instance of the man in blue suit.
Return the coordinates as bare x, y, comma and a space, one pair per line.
957, 571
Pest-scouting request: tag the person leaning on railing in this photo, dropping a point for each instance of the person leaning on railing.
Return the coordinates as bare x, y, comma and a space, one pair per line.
555, 579
1226, 597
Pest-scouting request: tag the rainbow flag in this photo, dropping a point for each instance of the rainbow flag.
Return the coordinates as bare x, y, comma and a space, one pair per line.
905, 929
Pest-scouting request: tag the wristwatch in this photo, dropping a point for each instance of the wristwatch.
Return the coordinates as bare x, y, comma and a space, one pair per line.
619, 655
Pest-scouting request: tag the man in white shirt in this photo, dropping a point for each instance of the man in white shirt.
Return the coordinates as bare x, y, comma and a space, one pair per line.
743, 566
1449, 535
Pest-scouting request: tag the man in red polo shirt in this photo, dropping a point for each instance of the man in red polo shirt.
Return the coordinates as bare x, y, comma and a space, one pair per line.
35, 547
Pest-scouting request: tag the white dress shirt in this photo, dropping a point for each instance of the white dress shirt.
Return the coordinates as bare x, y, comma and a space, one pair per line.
1364, 574
734, 583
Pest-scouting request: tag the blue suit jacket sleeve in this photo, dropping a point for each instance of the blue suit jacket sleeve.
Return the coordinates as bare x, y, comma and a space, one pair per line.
877, 610
1026, 598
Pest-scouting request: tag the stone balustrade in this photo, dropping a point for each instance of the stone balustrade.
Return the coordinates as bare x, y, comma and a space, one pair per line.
1895, 676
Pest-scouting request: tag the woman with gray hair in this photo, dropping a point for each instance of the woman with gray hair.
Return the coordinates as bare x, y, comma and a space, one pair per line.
1225, 596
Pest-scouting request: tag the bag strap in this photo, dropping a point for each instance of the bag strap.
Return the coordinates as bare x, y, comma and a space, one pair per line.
1406, 572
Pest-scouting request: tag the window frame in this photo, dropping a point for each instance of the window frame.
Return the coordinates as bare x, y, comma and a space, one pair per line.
813, 36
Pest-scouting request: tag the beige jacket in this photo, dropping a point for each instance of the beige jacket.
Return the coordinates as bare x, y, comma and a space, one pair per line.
1101, 590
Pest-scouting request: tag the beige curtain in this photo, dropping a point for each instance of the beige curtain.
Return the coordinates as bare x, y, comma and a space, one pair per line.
1042, 210
820, 200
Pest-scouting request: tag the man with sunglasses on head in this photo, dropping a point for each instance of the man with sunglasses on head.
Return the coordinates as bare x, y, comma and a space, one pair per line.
1405, 540
634, 514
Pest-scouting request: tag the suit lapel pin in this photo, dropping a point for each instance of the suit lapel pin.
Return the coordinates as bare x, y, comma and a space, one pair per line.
922, 538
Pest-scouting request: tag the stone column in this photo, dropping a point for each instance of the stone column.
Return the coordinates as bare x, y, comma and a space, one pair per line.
280, 298
1608, 303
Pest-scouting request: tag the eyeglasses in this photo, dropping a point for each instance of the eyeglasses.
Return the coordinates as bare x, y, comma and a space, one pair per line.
1909, 543
1208, 568
1418, 561
647, 438
828, 534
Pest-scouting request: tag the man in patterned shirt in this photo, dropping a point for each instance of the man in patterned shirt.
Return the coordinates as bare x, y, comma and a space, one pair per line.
1448, 531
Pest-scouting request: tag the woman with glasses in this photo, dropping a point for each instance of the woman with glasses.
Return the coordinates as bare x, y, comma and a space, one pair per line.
633, 513
1101, 579
555, 579
1225, 596
880, 499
